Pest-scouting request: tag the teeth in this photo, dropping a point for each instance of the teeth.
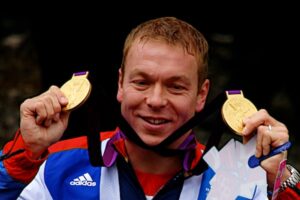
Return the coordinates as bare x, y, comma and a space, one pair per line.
156, 121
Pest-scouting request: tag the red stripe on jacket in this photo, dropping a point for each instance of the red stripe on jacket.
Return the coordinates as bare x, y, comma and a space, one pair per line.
23, 168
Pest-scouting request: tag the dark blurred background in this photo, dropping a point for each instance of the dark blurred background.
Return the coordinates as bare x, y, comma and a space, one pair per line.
255, 50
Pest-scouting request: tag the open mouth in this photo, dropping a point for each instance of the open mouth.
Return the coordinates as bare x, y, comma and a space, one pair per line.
154, 121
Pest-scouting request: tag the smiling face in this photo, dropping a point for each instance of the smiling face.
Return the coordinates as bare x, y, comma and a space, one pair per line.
158, 89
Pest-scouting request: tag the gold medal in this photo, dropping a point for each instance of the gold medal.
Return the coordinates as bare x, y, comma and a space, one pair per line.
235, 109
76, 90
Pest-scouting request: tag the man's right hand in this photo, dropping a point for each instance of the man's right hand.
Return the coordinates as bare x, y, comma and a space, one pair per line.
42, 120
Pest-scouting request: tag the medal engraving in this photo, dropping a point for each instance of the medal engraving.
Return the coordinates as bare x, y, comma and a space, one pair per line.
76, 90
235, 109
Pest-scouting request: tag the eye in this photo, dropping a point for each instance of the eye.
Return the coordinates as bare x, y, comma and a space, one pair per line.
176, 88
140, 84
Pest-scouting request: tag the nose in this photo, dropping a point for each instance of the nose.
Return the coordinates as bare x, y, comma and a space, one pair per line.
156, 98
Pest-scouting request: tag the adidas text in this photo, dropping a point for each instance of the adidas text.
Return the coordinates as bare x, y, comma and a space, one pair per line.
84, 180
83, 183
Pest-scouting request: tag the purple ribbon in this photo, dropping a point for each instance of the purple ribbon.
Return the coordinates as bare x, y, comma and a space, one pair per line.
110, 153
234, 91
79, 73
188, 145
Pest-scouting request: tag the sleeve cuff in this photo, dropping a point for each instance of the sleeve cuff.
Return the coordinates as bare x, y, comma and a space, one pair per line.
290, 194
21, 167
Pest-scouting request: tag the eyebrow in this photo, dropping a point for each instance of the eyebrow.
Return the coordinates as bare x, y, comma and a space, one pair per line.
137, 72
182, 79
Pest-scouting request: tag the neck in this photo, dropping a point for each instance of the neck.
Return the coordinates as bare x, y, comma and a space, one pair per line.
150, 162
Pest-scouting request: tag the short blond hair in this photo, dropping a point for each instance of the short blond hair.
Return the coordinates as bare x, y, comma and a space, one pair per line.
173, 31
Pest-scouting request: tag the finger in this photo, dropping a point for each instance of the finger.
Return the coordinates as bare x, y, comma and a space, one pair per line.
41, 112
259, 140
56, 117
58, 98
55, 100
266, 141
252, 122
261, 117
52, 106
62, 100
46, 108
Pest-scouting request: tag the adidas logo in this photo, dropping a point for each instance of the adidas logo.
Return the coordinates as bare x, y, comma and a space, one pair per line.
84, 180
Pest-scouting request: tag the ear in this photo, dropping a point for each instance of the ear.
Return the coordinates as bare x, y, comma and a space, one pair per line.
202, 95
120, 86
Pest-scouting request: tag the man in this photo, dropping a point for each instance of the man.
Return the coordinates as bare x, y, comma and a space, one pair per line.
162, 84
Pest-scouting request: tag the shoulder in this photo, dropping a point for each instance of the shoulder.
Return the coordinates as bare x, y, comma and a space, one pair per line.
72, 153
78, 142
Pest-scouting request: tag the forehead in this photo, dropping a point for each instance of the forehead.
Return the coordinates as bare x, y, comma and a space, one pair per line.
155, 58
159, 52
